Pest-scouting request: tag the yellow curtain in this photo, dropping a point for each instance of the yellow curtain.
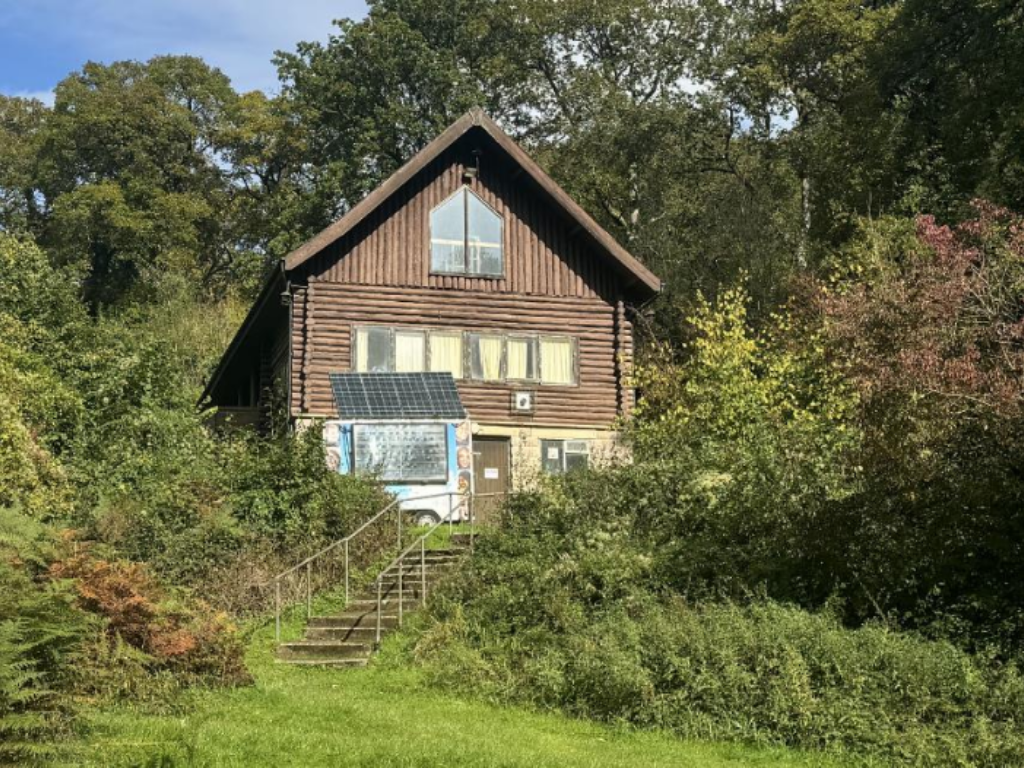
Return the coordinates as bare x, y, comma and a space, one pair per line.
409, 351
518, 359
362, 350
556, 363
490, 357
446, 353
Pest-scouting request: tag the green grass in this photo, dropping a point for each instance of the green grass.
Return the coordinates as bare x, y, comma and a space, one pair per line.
379, 716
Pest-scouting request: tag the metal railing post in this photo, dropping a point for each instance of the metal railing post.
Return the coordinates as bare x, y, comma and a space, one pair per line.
309, 589
423, 569
398, 508
277, 609
451, 515
401, 594
346, 571
378, 609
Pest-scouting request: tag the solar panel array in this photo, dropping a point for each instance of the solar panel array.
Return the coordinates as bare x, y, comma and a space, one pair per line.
396, 396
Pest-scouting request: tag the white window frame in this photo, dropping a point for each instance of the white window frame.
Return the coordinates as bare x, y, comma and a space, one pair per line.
467, 240
467, 352
579, 448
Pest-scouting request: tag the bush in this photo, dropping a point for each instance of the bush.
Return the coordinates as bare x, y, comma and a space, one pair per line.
42, 634
177, 635
570, 608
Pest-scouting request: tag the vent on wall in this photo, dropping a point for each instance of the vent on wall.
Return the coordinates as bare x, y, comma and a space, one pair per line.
523, 402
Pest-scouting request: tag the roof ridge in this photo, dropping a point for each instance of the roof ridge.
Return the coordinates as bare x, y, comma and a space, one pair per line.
475, 117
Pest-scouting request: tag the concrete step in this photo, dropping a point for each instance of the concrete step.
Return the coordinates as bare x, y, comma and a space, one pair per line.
390, 585
351, 662
442, 566
349, 620
368, 604
323, 649
363, 633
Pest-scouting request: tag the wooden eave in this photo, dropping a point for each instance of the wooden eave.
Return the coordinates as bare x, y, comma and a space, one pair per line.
476, 118
272, 287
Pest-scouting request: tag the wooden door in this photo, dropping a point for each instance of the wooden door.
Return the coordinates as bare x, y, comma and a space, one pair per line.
492, 470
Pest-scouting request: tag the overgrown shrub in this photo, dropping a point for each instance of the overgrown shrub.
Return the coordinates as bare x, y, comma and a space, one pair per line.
42, 635
176, 634
570, 609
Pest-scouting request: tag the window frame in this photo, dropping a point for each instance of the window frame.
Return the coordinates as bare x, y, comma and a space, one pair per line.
356, 346
467, 348
564, 452
465, 336
534, 341
574, 359
428, 357
466, 237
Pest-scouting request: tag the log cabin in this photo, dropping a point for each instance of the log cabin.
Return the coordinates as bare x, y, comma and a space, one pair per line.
468, 270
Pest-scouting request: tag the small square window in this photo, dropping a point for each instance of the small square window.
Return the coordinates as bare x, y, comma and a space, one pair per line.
561, 456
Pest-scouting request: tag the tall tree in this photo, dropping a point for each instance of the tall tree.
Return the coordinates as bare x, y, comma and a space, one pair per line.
607, 94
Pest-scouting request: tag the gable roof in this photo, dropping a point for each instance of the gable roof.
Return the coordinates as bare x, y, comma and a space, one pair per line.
476, 118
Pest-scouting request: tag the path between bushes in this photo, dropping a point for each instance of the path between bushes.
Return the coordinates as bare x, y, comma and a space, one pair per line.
380, 716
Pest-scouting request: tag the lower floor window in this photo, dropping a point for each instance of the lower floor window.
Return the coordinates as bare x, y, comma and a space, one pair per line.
406, 453
561, 456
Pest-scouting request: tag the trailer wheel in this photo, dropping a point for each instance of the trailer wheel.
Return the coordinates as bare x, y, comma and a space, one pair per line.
424, 517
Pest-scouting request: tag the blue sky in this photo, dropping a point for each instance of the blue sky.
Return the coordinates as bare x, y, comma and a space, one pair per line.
41, 41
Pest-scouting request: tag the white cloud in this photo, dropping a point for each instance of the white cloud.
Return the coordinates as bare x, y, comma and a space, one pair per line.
44, 96
238, 36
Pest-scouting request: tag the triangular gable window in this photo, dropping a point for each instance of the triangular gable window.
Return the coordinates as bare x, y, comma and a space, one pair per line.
466, 237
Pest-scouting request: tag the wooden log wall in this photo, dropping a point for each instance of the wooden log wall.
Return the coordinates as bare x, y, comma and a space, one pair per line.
323, 345
298, 358
544, 255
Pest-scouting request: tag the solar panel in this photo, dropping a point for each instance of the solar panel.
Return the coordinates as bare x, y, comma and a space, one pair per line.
396, 396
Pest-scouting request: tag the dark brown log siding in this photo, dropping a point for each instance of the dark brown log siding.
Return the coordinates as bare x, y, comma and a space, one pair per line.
380, 274
326, 347
542, 254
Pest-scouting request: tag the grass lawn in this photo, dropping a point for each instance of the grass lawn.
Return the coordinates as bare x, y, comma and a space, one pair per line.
378, 716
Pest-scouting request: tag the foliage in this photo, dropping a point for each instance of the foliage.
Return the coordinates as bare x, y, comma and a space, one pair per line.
41, 640
183, 637
375, 716
567, 609
928, 328
744, 444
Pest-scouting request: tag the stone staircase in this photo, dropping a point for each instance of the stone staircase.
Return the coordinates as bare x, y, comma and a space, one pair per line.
349, 638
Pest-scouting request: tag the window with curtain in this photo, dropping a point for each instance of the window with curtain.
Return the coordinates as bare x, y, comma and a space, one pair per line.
466, 237
557, 361
410, 351
373, 350
521, 358
481, 356
485, 354
446, 353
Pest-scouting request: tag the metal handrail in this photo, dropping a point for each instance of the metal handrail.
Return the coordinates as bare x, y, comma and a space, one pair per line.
308, 562
422, 542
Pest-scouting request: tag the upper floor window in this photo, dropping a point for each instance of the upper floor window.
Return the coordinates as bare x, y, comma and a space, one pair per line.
488, 356
466, 237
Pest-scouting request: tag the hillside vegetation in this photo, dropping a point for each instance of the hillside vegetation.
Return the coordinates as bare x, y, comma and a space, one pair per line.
819, 541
